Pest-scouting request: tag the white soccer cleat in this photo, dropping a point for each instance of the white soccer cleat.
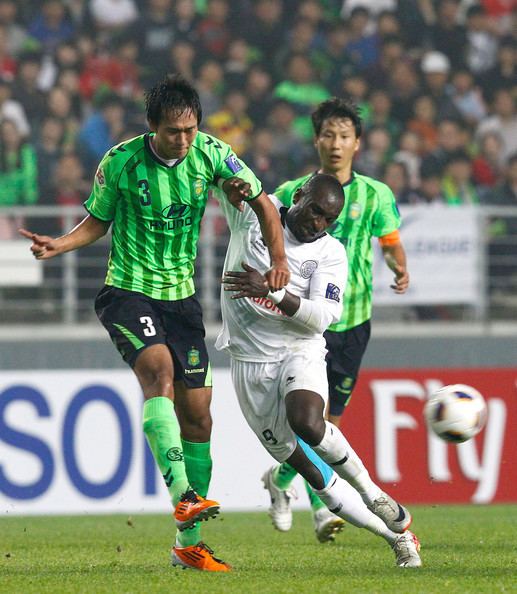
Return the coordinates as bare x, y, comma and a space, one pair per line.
396, 517
406, 549
327, 524
280, 509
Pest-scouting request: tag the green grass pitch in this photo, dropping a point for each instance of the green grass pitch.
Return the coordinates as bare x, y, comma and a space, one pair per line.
464, 549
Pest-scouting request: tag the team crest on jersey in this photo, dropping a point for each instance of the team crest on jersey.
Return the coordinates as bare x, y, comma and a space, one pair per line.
332, 292
354, 211
198, 187
99, 176
307, 268
193, 358
233, 163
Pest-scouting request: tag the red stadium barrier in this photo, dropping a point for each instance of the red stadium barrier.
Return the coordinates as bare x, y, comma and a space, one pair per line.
385, 425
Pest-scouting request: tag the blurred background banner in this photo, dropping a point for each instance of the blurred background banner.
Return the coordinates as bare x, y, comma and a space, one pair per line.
71, 442
445, 256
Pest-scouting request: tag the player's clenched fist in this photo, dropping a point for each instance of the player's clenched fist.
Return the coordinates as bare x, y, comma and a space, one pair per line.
278, 276
42, 247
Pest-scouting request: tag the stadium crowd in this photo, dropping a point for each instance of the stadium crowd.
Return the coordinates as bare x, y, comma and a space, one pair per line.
435, 80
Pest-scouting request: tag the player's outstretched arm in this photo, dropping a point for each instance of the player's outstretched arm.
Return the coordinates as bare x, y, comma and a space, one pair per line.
278, 275
395, 258
86, 232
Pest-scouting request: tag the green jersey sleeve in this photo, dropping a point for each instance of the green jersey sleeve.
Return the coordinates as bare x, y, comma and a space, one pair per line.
387, 217
229, 165
103, 198
285, 191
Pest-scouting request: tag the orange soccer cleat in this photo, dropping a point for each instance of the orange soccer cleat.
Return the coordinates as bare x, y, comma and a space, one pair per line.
193, 508
197, 557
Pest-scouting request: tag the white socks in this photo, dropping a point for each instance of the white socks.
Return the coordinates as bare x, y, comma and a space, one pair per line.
344, 501
338, 453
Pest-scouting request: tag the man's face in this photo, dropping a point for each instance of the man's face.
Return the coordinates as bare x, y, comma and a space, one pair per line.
309, 217
174, 134
336, 144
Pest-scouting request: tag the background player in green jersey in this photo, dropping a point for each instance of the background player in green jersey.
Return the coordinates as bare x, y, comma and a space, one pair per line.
152, 190
369, 211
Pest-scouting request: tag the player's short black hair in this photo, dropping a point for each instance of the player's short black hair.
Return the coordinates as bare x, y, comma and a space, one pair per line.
337, 107
175, 94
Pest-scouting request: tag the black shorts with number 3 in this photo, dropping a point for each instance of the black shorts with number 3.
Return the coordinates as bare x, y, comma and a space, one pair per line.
135, 322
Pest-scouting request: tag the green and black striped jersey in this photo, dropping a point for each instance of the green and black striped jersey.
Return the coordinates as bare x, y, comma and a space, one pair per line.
370, 210
156, 211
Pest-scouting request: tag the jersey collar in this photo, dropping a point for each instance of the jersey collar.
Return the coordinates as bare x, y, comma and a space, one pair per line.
155, 157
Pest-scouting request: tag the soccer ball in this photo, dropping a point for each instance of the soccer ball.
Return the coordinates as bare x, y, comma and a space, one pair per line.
456, 413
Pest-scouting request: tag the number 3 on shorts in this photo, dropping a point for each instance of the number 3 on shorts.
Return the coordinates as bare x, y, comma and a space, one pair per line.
149, 329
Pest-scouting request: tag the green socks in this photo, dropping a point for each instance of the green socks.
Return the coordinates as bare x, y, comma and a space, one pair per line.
283, 476
198, 464
315, 501
162, 431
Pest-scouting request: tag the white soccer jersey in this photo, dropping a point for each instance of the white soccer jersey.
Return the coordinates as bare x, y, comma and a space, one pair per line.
256, 329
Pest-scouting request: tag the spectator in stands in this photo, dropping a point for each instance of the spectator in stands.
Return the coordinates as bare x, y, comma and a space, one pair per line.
404, 88
395, 175
156, 36
481, 50
363, 45
51, 25
448, 34
375, 153
26, 87
452, 137
379, 113
503, 120
504, 73
410, 148
231, 123
101, 130
390, 53
436, 68
49, 149
213, 30
331, 60
505, 194
265, 28
488, 165
186, 20
18, 168
71, 188
430, 190
11, 109
60, 105
424, 122
301, 40
457, 186
238, 59
210, 86
302, 90
467, 97
182, 56
258, 87
261, 158
16, 34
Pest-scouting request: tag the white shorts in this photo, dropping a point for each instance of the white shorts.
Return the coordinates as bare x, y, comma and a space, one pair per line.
262, 387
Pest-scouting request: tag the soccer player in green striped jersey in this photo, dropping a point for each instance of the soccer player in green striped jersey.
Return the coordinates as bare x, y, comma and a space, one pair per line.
152, 190
369, 211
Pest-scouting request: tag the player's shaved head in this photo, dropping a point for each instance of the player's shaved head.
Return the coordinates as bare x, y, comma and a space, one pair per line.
317, 205
174, 94
325, 189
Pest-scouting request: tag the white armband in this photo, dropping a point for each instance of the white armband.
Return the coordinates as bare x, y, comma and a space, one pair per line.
277, 296
313, 315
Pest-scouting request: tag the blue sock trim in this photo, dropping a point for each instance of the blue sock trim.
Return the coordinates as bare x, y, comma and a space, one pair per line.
323, 467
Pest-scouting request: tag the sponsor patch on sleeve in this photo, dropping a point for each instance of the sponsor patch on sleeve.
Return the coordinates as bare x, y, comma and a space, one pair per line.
99, 176
233, 163
332, 292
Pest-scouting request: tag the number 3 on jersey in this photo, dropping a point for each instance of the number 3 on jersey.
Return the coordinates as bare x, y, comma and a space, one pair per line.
149, 329
143, 191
